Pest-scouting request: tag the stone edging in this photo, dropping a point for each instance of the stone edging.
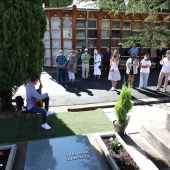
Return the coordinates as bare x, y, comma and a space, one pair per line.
112, 104
12, 154
137, 155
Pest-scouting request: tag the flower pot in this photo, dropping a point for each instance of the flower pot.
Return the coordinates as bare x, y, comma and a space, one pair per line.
119, 129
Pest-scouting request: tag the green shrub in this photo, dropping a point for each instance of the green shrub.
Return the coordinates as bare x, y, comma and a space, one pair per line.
123, 105
114, 143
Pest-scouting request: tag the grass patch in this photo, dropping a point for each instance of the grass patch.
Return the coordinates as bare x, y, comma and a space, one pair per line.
63, 124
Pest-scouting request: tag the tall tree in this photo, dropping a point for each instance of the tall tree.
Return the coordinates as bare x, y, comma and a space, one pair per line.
23, 25
57, 3
159, 34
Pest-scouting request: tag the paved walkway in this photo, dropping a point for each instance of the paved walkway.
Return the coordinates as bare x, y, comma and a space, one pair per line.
93, 91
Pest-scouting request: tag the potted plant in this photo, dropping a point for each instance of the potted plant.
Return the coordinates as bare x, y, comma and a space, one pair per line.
122, 107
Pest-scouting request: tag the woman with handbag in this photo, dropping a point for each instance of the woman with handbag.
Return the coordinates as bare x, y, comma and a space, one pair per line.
132, 68
97, 63
114, 74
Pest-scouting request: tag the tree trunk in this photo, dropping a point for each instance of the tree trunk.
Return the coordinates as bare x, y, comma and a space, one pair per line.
5, 100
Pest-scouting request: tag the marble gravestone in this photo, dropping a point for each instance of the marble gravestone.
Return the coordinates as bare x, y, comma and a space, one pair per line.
64, 153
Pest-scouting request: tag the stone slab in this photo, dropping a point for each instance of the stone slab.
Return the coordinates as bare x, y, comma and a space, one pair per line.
156, 134
168, 121
65, 153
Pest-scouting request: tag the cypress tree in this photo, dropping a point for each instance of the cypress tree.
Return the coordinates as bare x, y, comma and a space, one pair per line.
23, 24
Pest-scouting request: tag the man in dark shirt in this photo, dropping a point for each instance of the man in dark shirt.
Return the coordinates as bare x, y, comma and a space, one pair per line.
106, 60
61, 66
159, 54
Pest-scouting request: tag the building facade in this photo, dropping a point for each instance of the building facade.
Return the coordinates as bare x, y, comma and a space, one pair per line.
94, 29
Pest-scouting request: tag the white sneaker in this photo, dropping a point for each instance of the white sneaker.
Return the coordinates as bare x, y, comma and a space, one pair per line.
50, 113
164, 90
45, 126
157, 89
113, 89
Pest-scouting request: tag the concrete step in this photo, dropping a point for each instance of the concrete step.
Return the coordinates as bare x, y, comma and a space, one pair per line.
156, 134
136, 140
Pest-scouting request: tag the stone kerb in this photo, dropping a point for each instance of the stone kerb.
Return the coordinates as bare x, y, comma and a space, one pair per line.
12, 155
168, 121
137, 154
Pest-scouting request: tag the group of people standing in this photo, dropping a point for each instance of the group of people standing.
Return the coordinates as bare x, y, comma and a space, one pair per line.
110, 62
132, 65
69, 63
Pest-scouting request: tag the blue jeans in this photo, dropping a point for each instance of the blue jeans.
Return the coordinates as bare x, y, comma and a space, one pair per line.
61, 72
42, 110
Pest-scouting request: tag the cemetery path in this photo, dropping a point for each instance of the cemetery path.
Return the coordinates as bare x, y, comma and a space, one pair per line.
93, 91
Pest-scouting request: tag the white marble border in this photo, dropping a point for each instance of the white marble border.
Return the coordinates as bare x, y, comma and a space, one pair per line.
12, 155
137, 155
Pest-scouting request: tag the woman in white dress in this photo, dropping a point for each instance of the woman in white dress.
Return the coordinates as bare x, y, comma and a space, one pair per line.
97, 63
114, 74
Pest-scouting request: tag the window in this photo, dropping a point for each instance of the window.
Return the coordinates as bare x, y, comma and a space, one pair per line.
80, 24
126, 34
105, 24
80, 33
104, 43
67, 33
116, 25
56, 43
67, 23
137, 25
92, 24
56, 33
157, 24
126, 25
92, 33
147, 24
115, 34
115, 43
167, 25
105, 34
80, 43
92, 43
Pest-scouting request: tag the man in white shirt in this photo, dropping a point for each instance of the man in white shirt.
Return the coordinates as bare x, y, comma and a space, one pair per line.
165, 71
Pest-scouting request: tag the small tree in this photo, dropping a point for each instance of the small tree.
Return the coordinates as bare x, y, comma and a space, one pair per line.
123, 105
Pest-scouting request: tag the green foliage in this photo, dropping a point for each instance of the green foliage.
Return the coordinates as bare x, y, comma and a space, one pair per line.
123, 105
114, 143
57, 3
23, 24
150, 37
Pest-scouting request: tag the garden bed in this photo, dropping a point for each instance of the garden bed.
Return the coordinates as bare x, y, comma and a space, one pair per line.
119, 154
7, 156
126, 157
